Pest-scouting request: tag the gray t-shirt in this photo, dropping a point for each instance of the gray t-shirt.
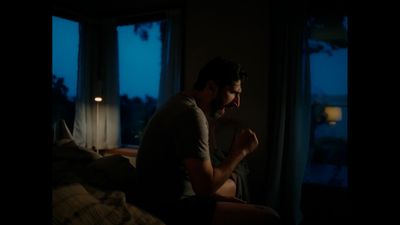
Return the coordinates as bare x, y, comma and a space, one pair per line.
179, 130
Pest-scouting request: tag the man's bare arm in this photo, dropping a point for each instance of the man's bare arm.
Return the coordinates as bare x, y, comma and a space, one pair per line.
206, 179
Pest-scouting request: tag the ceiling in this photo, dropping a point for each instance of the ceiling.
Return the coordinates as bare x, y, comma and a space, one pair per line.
93, 8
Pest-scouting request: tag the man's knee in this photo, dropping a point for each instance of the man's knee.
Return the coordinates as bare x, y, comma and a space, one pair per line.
271, 216
245, 214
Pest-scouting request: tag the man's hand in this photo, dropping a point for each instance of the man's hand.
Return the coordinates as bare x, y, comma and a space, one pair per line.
206, 179
245, 142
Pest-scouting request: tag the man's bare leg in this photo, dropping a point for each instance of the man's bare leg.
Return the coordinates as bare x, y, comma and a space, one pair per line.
231, 213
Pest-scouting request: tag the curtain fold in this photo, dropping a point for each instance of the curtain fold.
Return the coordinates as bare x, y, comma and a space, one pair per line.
97, 124
290, 117
171, 65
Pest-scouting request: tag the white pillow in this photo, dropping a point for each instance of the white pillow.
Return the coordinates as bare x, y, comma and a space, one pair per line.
61, 132
63, 137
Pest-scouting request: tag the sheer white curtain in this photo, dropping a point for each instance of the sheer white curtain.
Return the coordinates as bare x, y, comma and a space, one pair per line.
290, 117
171, 65
97, 124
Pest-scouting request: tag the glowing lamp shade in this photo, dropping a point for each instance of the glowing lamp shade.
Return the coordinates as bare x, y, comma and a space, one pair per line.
333, 114
98, 99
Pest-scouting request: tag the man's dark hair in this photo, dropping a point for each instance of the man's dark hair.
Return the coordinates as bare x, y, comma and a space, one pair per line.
222, 71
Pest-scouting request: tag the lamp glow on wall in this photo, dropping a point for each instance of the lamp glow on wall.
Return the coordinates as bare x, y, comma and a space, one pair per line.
333, 114
97, 100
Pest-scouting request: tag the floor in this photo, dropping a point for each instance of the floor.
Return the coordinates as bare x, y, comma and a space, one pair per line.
324, 205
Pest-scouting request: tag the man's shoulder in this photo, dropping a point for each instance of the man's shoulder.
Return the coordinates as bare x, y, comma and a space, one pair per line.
183, 104
183, 99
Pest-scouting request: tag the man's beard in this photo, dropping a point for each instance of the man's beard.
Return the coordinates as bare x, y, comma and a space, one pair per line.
217, 108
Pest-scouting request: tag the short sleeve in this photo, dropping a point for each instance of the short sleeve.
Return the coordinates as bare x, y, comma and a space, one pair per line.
191, 136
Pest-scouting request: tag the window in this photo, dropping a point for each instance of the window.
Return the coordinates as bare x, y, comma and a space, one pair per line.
327, 164
65, 43
139, 49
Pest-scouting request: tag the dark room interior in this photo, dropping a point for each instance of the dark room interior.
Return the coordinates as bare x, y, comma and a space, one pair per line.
295, 98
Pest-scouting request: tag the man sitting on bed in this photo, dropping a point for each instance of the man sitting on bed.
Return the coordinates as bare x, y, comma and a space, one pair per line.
176, 179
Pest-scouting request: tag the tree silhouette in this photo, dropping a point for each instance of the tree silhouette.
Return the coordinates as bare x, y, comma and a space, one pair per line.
62, 106
143, 29
135, 114
333, 24
59, 90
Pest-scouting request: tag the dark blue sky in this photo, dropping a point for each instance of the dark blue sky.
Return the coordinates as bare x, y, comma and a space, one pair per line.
140, 61
329, 72
139, 65
65, 51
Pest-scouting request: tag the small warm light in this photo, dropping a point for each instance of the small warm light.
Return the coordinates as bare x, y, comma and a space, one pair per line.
98, 99
333, 114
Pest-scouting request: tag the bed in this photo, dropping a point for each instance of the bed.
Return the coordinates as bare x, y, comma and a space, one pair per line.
88, 188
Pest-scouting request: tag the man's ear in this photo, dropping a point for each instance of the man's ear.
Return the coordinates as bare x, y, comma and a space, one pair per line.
212, 87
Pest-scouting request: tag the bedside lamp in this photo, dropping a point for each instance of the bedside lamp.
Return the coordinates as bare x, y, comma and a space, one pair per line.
97, 100
333, 114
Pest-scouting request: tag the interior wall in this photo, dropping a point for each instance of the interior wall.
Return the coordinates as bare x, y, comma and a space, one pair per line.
236, 30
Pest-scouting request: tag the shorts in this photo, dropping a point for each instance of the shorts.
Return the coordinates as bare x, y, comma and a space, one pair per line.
196, 210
